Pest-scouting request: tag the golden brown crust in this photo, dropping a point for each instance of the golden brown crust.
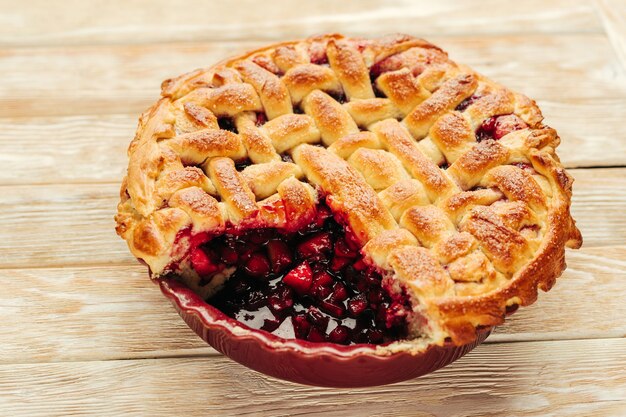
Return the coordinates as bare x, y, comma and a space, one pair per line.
399, 142
196, 147
368, 111
290, 130
233, 188
332, 120
271, 89
258, 144
350, 68
303, 79
447, 97
203, 210
264, 179
348, 192
467, 222
380, 168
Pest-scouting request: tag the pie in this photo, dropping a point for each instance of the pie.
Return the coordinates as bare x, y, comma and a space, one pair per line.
349, 191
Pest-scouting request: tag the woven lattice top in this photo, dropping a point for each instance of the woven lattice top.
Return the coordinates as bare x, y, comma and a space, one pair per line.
448, 180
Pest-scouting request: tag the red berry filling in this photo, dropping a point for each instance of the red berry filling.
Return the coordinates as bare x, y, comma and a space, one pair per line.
498, 126
525, 166
300, 278
201, 262
391, 63
317, 53
311, 285
261, 119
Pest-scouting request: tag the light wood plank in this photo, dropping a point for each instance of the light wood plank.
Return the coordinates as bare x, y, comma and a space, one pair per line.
561, 68
64, 225
588, 128
73, 149
572, 309
125, 79
585, 100
598, 202
43, 23
565, 378
88, 313
104, 313
60, 225
613, 16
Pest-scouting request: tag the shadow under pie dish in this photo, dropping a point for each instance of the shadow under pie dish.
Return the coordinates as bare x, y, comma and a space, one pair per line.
345, 212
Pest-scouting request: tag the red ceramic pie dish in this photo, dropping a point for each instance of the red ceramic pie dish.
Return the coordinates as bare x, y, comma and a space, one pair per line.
319, 364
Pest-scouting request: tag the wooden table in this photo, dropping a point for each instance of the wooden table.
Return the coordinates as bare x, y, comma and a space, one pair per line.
85, 332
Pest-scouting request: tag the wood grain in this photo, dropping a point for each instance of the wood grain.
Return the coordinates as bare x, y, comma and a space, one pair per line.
60, 225
598, 204
613, 16
104, 313
87, 148
565, 378
136, 22
125, 79
563, 68
66, 225
81, 320
88, 313
588, 128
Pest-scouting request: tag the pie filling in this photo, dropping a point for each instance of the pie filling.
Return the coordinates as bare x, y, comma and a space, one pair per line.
312, 284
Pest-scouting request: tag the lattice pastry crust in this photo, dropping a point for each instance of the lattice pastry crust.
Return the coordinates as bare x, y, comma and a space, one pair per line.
449, 181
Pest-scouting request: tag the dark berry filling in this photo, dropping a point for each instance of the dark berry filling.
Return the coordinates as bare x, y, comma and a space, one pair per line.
377, 92
227, 123
466, 103
496, 127
286, 157
312, 284
486, 130
340, 97
242, 164
390, 63
322, 60
261, 119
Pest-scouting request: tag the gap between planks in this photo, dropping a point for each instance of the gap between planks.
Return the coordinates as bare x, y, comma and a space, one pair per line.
533, 378
135, 23
111, 79
210, 352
